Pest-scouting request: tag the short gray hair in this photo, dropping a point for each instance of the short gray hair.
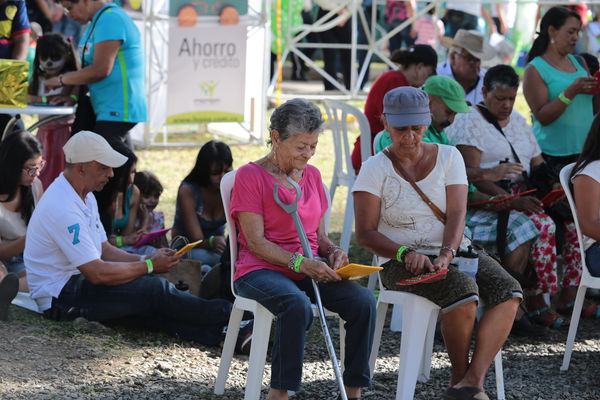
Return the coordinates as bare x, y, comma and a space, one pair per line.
296, 116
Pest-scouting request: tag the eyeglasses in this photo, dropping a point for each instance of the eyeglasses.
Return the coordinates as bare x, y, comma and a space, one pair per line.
32, 171
469, 58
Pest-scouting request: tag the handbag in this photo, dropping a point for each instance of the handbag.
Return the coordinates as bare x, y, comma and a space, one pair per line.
85, 117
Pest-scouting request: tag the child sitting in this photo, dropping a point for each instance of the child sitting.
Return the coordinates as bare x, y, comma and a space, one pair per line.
149, 219
54, 56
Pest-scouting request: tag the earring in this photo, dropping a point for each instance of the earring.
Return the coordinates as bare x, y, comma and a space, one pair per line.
552, 41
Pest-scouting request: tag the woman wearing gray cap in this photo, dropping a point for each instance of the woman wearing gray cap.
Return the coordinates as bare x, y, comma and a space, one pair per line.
414, 233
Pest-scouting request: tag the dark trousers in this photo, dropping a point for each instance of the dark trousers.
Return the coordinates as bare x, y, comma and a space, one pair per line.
337, 34
114, 130
146, 302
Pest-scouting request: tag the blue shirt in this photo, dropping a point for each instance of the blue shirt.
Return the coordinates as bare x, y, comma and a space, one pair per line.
565, 135
121, 96
13, 22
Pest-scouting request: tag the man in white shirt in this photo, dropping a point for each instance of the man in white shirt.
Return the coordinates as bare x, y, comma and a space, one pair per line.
73, 271
466, 51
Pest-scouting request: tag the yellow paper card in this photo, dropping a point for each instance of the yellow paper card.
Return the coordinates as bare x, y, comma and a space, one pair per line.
188, 247
355, 271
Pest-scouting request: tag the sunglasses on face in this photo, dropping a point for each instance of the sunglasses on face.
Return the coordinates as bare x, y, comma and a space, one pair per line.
32, 171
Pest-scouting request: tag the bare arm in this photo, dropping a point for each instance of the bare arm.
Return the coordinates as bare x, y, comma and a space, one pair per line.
21, 46
491, 26
456, 212
113, 272
44, 8
586, 192
252, 226
503, 27
105, 53
12, 248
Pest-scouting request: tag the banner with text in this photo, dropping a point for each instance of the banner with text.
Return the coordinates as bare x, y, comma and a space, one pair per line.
207, 64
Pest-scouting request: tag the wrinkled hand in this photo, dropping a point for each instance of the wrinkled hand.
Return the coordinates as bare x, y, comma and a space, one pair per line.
132, 238
318, 270
583, 84
164, 259
52, 83
61, 100
338, 259
527, 204
505, 171
418, 263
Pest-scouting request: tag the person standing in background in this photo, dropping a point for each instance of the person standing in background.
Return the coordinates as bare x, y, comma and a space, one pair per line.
113, 67
465, 15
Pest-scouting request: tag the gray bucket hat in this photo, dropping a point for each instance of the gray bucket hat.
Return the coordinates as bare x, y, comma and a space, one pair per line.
406, 106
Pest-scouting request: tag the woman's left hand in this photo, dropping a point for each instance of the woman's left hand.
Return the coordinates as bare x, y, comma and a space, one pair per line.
61, 100
219, 244
52, 83
338, 259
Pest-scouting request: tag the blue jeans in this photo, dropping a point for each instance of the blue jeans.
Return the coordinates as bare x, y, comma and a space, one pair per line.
15, 264
146, 302
395, 42
592, 259
290, 302
209, 257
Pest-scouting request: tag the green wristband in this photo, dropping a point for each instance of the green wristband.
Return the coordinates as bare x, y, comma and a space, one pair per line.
297, 264
564, 99
149, 265
119, 240
44, 99
74, 97
489, 205
401, 250
211, 241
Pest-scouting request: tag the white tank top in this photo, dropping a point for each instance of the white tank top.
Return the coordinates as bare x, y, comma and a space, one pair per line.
12, 225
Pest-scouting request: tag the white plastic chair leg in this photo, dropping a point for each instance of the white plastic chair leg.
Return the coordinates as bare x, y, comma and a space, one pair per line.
428, 347
573, 326
379, 322
499, 376
258, 352
233, 329
414, 334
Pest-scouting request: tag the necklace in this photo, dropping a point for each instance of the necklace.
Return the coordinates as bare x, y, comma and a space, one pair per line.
554, 65
278, 169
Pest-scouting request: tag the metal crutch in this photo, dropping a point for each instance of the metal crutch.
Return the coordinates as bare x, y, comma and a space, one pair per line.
292, 209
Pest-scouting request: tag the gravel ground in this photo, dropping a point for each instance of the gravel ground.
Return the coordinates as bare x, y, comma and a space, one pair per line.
41, 359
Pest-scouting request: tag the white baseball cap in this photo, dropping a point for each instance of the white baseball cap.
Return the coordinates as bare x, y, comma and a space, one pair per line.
86, 146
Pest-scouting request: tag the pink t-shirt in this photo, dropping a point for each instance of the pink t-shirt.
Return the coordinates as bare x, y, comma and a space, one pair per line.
253, 192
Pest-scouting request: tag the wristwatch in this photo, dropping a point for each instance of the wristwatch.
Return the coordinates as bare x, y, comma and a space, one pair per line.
450, 249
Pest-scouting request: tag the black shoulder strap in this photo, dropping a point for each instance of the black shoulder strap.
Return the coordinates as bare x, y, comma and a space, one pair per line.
87, 39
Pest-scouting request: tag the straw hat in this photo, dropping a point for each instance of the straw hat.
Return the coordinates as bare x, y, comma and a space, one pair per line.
471, 41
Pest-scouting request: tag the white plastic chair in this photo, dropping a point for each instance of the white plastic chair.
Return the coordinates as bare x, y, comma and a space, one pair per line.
262, 317
343, 172
587, 280
419, 317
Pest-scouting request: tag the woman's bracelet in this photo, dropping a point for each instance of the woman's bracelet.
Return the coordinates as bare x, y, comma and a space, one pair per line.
331, 249
211, 242
149, 265
74, 97
60, 80
44, 99
564, 99
402, 252
119, 240
294, 263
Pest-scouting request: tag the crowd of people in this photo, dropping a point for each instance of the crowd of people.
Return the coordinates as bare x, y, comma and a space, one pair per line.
453, 163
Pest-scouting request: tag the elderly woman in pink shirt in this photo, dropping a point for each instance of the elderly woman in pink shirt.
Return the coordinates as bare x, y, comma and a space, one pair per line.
270, 267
